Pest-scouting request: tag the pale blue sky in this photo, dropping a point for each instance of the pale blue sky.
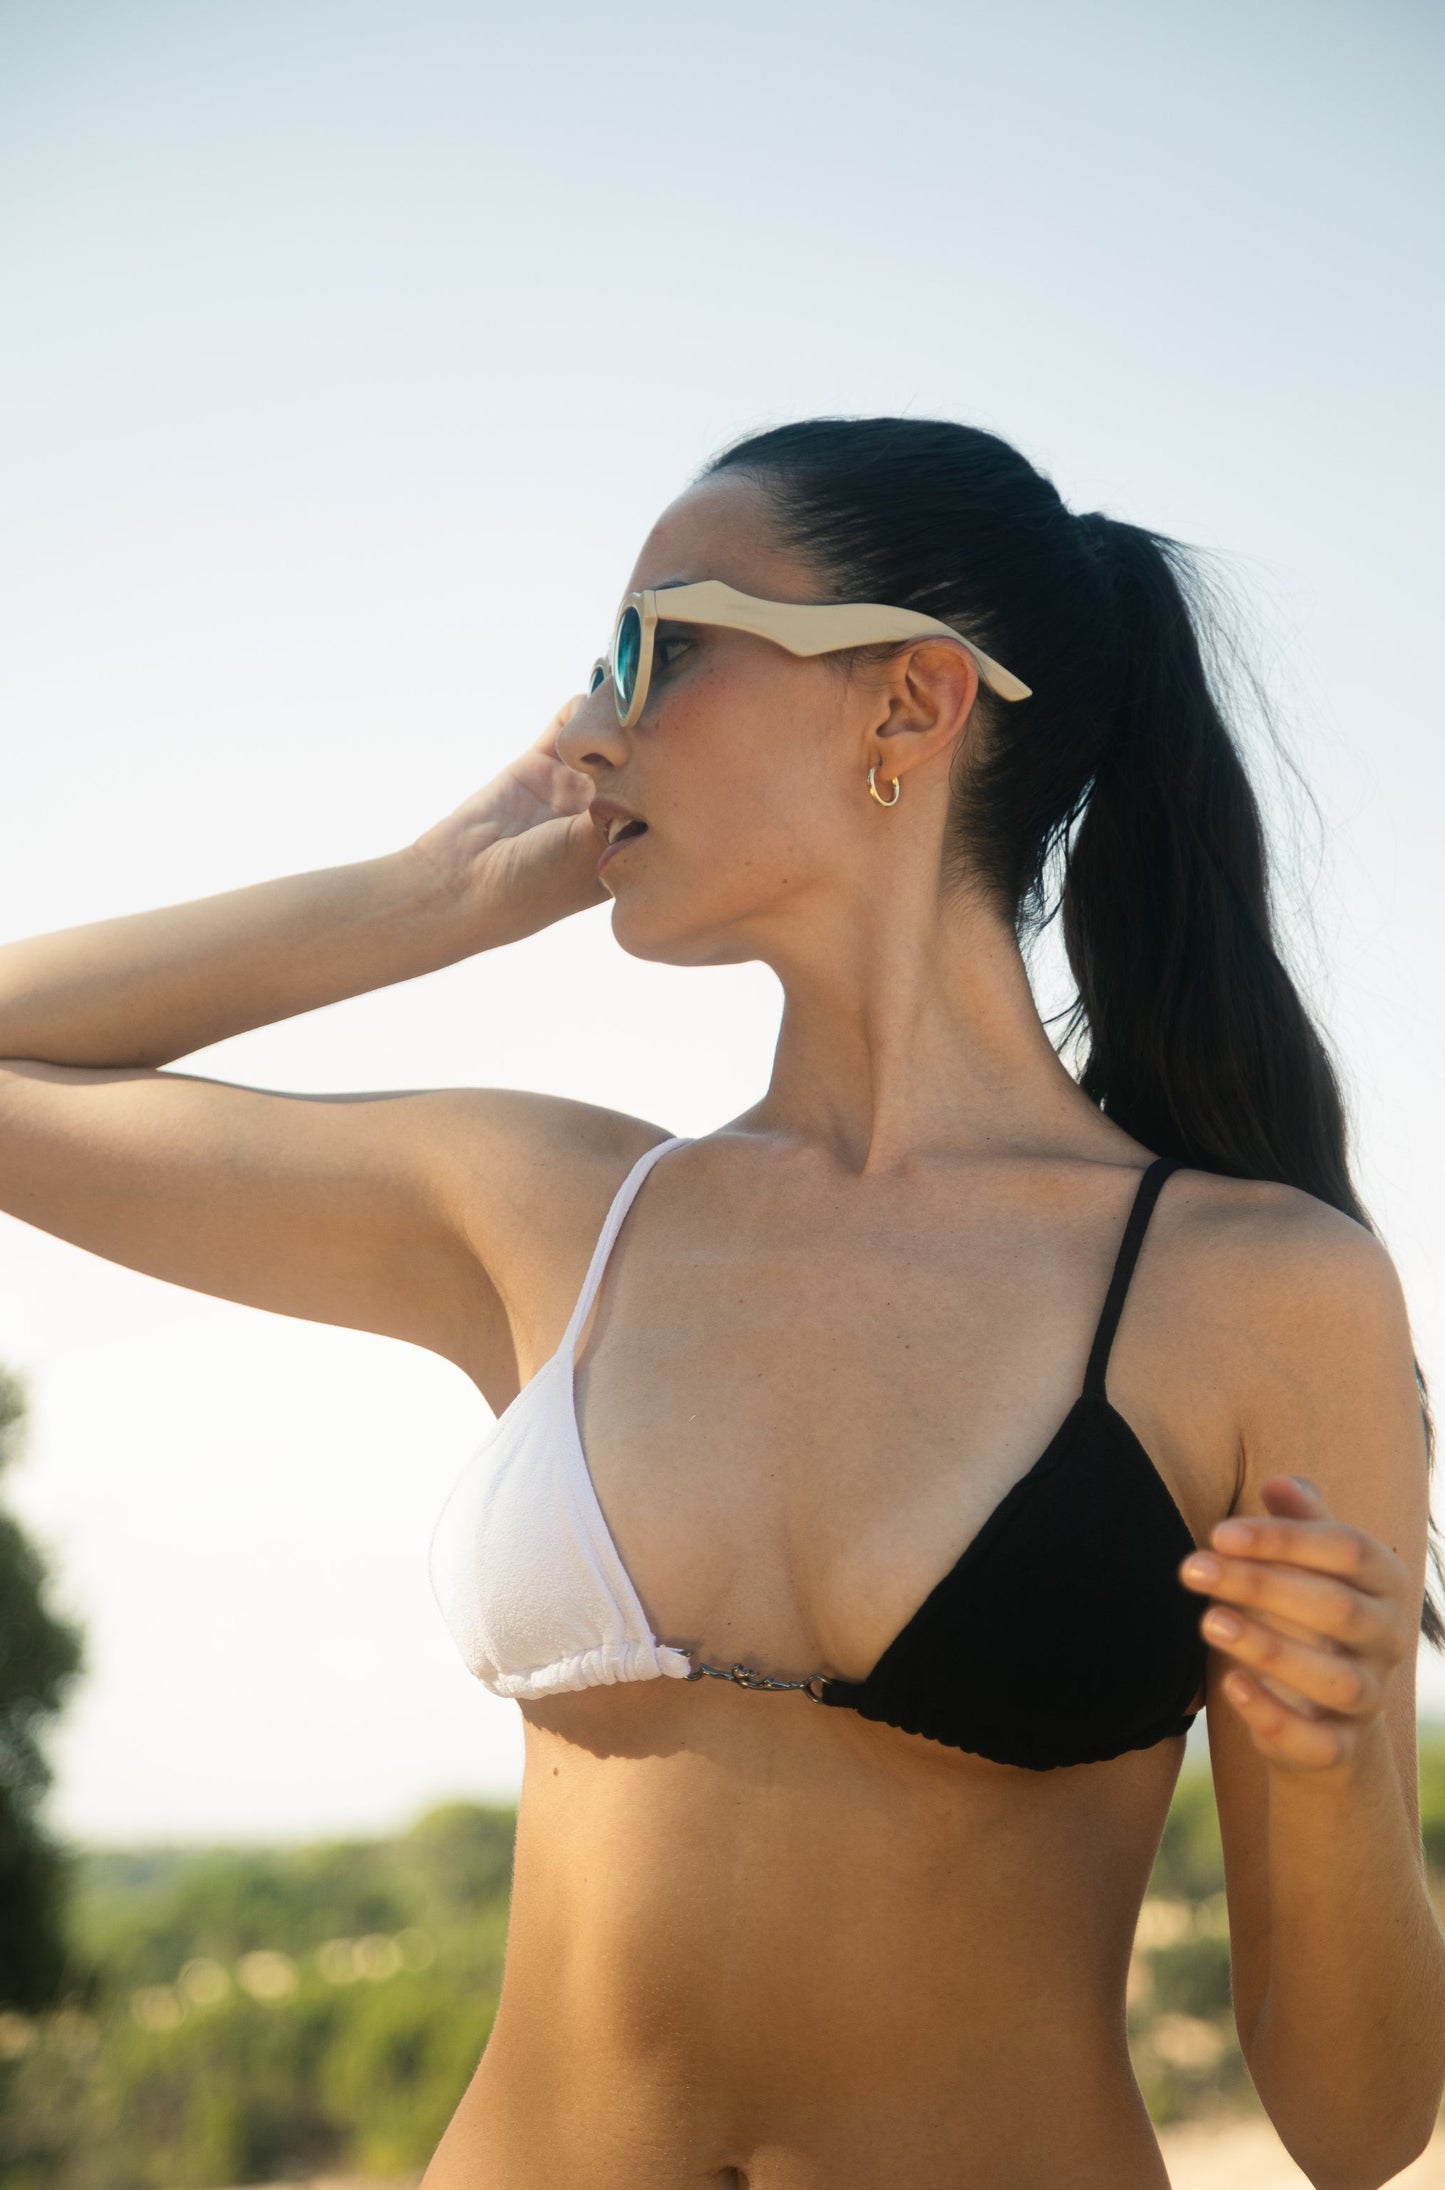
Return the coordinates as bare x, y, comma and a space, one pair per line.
348, 352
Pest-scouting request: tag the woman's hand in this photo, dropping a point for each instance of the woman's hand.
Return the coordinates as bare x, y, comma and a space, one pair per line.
522, 852
1317, 1616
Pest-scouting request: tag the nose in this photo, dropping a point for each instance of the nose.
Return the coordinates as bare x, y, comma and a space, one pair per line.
593, 738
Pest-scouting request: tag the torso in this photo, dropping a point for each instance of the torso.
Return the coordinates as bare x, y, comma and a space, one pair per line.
756, 1945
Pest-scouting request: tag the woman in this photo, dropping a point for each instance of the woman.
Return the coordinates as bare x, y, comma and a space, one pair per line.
909, 1392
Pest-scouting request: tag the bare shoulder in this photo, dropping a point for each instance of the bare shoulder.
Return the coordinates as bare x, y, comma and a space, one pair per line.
1292, 1266
532, 1176
1312, 1318
533, 1153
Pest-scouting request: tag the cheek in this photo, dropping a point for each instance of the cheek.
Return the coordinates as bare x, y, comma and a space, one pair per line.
748, 793
764, 767
758, 827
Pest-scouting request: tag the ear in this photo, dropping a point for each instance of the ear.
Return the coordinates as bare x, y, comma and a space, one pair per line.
924, 700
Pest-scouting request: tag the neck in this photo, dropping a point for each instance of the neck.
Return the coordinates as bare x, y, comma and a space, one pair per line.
920, 1033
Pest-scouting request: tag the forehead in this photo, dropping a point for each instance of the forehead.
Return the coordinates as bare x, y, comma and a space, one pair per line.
722, 528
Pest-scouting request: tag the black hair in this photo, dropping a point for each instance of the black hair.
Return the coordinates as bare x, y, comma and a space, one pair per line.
1121, 771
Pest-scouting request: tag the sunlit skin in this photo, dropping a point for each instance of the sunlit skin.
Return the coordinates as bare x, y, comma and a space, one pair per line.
754, 1942
757, 1944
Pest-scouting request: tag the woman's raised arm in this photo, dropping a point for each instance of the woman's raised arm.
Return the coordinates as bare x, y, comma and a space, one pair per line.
411, 1214
150, 987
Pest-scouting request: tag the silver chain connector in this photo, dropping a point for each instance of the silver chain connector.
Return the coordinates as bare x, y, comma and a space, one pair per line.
745, 1677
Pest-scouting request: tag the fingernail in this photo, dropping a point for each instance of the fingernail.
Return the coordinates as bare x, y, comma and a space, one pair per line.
1202, 1568
1222, 1624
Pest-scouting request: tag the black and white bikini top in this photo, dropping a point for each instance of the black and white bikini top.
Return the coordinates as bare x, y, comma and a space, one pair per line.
1061, 1635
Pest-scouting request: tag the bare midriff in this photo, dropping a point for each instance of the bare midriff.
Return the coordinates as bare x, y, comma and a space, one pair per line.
760, 1945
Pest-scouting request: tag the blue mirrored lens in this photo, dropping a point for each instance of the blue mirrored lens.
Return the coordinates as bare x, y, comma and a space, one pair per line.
626, 654
599, 676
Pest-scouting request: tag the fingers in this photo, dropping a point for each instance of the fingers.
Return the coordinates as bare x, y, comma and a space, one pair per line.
1326, 1546
1339, 1610
1289, 1493
1335, 1680
1312, 1615
1282, 1735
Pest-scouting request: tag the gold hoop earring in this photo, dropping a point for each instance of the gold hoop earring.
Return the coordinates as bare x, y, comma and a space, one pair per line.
874, 792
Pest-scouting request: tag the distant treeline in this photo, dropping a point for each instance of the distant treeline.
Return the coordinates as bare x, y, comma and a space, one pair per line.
242, 2015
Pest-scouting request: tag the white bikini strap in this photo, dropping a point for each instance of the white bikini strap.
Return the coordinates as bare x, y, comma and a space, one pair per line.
621, 1202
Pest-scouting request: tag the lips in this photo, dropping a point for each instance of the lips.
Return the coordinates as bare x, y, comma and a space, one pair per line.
614, 824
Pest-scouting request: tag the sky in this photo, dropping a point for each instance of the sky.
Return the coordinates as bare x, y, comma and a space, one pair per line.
348, 351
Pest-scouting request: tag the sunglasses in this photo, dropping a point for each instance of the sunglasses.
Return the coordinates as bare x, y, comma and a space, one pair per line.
814, 628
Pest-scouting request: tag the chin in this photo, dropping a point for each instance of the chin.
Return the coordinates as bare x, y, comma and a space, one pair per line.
676, 942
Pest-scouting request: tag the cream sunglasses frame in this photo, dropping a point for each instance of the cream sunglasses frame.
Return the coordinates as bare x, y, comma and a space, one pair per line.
823, 627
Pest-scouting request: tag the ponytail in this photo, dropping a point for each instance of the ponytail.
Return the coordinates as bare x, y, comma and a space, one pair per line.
1199, 1044
1121, 763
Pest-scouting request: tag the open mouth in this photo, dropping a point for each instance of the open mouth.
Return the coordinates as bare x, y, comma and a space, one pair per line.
619, 830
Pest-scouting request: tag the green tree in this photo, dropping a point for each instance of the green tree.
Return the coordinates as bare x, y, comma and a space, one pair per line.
39, 1657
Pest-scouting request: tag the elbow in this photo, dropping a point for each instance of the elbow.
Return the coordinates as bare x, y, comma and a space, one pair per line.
1362, 2129
1363, 2150
1371, 2178
1410, 2143
1388, 2157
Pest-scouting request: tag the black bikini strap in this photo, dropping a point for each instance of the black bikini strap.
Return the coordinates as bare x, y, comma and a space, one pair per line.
1150, 1182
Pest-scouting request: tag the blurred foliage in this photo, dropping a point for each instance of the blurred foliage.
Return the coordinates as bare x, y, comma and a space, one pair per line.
244, 2015
1192, 1977
1190, 1862
40, 1656
1432, 1798
255, 2015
